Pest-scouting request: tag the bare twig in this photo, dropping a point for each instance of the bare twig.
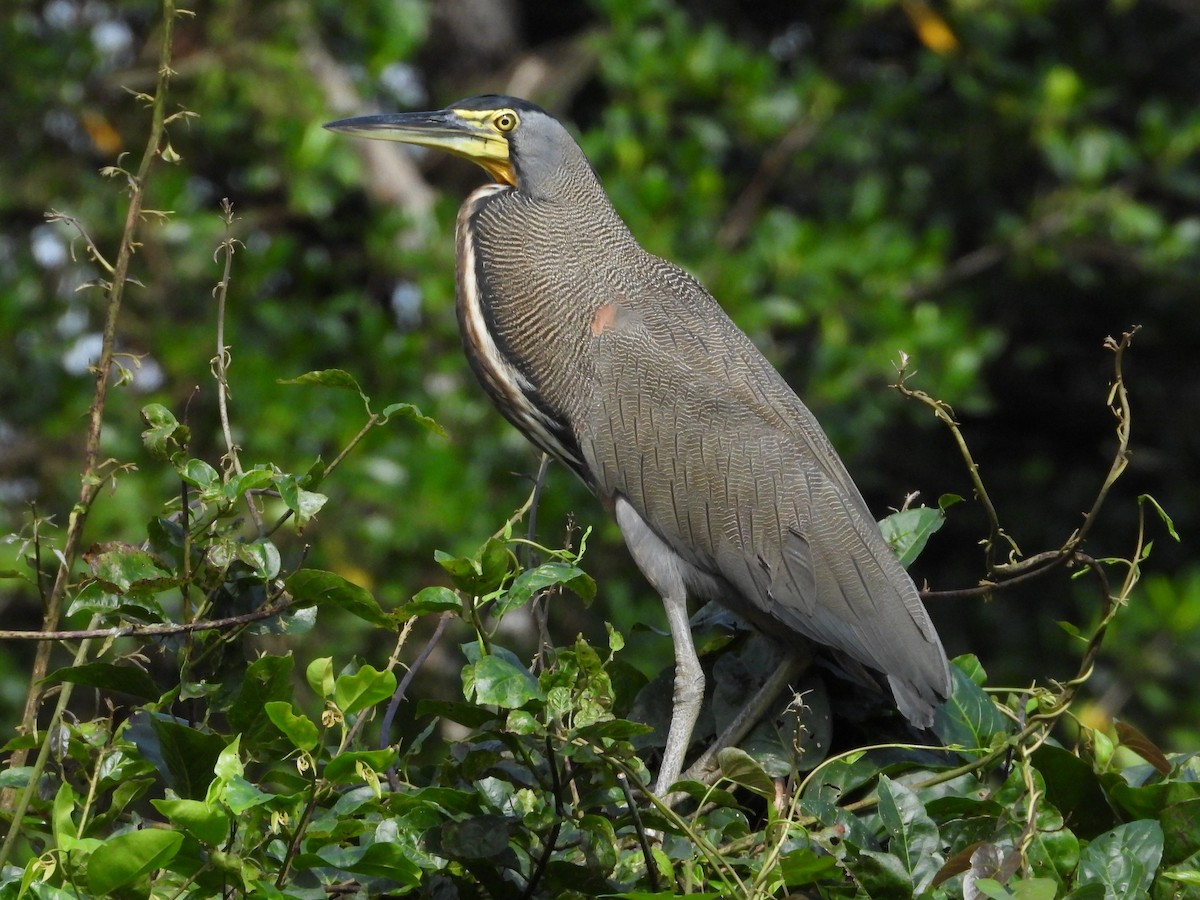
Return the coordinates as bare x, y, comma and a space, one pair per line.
996, 534
220, 362
385, 728
1118, 402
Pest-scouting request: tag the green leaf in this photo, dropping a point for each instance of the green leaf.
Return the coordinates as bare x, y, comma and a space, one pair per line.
120, 568
254, 479
1072, 786
343, 768
261, 556
475, 838
200, 474
498, 679
1186, 872
165, 434
803, 866
319, 674
471, 716
127, 857
881, 875
429, 600
613, 730
458, 567
483, 573
107, 676
15, 778
305, 504
969, 719
743, 770
1053, 847
229, 761
379, 860
496, 563
206, 823
914, 836
909, 530
1143, 499
1124, 859
1181, 831
65, 830
268, 678
1149, 801
330, 378
355, 692
315, 587
1034, 889
185, 757
240, 795
410, 412
530, 582
299, 729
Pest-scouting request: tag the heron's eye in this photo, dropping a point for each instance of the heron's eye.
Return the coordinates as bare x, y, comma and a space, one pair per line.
506, 121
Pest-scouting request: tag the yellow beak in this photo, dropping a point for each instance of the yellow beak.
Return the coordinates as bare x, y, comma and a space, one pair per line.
470, 138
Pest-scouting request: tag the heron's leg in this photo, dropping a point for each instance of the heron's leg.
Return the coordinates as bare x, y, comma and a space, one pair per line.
664, 570
688, 695
789, 667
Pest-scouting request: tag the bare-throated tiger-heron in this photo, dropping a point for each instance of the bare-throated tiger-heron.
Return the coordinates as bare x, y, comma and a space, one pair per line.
623, 367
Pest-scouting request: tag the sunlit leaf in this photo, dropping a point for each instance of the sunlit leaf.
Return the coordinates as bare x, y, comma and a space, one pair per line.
547, 575
356, 691
410, 412
909, 530
123, 859
498, 679
207, 823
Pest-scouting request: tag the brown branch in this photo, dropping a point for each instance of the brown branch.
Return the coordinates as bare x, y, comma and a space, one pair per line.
148, 630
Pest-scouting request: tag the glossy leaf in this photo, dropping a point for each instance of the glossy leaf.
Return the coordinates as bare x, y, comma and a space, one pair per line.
184, 756
207, 823
345, 766
913, 835
908, 531
359, 690
411, 413
313, 586
299, 729
969, 719
319, 674
1124, 859
123, 859
498, 679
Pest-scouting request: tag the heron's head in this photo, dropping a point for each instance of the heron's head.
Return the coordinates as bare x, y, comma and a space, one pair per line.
517, 142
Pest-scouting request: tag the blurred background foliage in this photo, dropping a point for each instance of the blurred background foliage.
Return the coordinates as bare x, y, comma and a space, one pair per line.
990, 186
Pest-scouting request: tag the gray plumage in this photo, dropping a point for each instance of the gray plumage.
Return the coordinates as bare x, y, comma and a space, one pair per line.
624, 367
